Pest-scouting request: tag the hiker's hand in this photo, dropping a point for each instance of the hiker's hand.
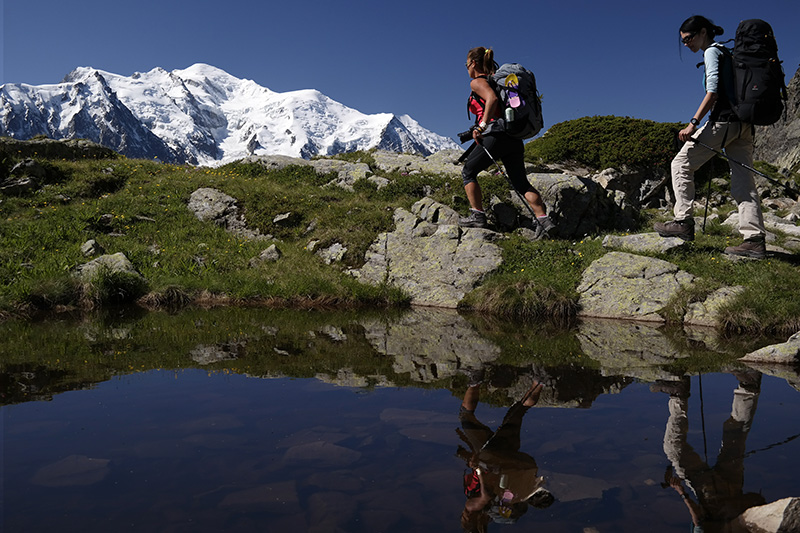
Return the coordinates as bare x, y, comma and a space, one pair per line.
686, 133
477, 134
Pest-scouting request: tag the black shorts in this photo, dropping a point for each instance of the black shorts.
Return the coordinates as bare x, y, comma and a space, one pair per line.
509, 150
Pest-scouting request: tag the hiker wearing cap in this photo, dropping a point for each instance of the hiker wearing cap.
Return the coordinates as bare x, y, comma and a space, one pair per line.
484, 104
723, 130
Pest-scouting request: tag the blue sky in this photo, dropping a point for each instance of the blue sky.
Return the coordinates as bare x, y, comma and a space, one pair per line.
601, 57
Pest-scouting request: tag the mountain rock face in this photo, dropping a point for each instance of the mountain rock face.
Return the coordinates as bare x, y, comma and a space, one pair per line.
779, 144
201, 115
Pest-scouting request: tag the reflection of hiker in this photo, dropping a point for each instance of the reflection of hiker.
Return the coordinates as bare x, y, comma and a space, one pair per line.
723, 130
719, 489
502, 481
485, 105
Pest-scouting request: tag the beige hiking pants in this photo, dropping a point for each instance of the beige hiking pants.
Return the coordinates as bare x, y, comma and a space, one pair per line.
739, 146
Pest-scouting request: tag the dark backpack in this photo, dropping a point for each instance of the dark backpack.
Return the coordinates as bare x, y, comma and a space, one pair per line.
758, 76
520, 102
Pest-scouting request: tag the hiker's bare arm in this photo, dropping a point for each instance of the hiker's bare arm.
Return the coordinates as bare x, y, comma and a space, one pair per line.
705, 106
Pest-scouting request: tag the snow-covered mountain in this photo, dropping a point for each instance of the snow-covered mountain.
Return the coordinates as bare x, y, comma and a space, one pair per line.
201, 115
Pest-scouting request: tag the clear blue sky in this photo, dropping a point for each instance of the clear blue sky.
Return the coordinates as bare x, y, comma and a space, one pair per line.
590, 57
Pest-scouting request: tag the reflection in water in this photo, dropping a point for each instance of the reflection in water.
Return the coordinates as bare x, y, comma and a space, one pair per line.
719, 489
254, 420
501, 481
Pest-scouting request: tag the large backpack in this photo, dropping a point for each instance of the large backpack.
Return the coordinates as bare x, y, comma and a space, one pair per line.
520, 102
758, 76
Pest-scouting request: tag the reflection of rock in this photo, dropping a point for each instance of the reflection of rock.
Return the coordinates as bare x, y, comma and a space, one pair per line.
280, 497
622, 285
224, 351
430, 344
782, 516
570, 487
321, 454
75, 470
787, 353
628, 348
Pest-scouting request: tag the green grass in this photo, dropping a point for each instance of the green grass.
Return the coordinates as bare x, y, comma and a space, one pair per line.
139, 208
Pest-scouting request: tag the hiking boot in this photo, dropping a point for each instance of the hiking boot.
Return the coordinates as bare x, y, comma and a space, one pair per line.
476, 219
683, 229
546, 223
754, 248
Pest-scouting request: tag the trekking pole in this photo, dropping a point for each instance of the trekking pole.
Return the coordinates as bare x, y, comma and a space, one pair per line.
793, 192
522, 198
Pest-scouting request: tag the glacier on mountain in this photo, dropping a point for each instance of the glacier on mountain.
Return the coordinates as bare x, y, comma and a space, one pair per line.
201, 115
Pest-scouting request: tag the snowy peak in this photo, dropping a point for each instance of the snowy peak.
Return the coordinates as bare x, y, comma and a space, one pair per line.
201, 115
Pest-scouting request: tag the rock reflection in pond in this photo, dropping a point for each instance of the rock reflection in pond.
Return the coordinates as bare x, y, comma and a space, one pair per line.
203, 425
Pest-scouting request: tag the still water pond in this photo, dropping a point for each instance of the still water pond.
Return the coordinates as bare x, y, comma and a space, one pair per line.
255, 420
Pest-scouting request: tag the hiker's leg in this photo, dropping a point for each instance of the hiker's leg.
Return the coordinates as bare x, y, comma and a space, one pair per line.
743, 185
477, 162
513, 157
690, 157
471, 398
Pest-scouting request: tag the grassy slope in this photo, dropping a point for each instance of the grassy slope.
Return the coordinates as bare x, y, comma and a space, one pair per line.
183, 258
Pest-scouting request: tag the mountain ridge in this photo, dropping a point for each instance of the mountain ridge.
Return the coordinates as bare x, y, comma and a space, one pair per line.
201, 115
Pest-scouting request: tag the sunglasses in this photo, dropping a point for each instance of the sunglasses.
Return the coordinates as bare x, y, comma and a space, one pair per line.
688, 38
468, 63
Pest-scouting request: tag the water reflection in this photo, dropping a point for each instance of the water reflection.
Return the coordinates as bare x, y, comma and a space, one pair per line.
246, 420
719, 489
501, 481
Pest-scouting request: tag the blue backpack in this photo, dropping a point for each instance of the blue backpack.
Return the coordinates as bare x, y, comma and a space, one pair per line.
520, 102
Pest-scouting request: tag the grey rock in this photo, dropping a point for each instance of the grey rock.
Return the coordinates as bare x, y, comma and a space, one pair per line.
211, 205
115, 263
578, 206
435, 264
442, 163
644, 243
18, 186
333, 253
779, 144
91, 247
434, 212
622, 285
29, 168
379, 182
706, 313
269, 255
782, 516
792, 244
785, 353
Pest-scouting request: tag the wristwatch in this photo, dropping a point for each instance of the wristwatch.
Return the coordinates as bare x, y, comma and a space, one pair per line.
694, 122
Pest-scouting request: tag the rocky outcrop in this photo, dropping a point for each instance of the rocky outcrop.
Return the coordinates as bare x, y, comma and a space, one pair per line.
644, 242
623, 285
211, 205
706, 313
782, 516
434, 260
579, 205
72, 149
787, 353
116, 263
347, 173
779, 144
